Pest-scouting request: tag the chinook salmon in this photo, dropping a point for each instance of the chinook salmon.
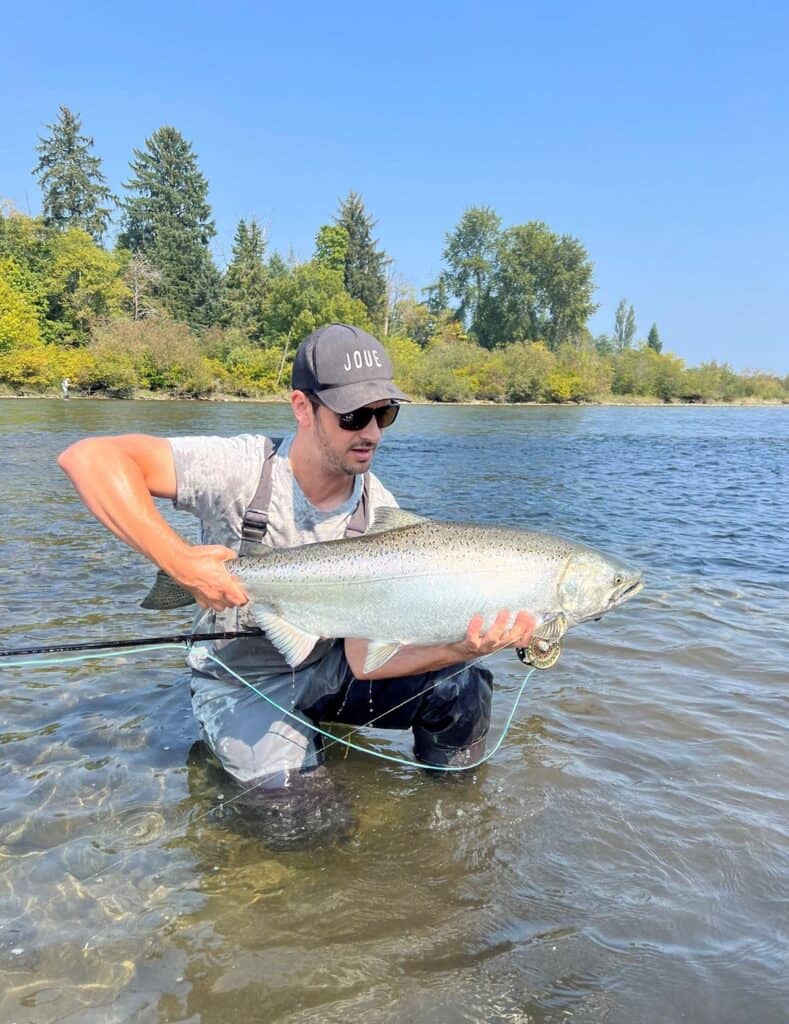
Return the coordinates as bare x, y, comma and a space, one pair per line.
411, 580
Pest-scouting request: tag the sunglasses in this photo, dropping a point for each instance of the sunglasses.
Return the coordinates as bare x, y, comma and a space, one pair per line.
357, 419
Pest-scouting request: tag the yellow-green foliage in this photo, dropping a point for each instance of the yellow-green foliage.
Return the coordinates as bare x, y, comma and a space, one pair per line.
450, 371
19, 324
63, 303
406, 358
251, 370
158, 354
85, 283
529, 365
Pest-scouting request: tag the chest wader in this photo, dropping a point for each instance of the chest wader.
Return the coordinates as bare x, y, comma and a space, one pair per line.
255, 522
450, 721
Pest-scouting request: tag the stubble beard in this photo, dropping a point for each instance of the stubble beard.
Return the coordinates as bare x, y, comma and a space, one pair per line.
333, 459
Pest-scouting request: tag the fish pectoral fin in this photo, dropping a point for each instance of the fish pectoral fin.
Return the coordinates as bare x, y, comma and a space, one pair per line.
553, 629
379, 653
166, 593
291, 642
393, 519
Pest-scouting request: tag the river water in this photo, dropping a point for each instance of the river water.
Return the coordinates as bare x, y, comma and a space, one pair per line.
623, 858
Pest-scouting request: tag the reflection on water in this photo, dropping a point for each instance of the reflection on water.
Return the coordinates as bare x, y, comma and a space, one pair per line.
625, 857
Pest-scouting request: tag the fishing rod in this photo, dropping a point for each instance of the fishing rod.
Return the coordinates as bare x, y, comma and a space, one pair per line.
138, 641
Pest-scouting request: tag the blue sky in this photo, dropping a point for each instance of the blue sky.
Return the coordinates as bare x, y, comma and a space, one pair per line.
658, 137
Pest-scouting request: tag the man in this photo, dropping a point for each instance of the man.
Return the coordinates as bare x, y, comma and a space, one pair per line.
315, 487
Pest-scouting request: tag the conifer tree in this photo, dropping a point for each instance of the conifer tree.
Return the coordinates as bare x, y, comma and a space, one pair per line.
246, 281
653, 339
73, 187
167, 217
365, 264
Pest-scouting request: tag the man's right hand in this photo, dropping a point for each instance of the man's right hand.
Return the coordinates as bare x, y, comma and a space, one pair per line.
202, 570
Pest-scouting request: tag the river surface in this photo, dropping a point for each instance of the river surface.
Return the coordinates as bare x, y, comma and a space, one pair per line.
623, 858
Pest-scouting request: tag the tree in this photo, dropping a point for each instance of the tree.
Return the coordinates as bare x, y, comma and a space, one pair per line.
167, 217
624, 326
73, 186
470, 257
84, 283
142, 279
18, 317
306, 296
653, 339
331, 247
365, 265
246, 282
540, 289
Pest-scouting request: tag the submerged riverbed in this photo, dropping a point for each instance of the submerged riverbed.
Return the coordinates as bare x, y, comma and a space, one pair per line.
623, 858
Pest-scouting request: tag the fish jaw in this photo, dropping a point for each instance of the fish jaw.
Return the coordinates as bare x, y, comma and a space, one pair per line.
629, 588
593, 583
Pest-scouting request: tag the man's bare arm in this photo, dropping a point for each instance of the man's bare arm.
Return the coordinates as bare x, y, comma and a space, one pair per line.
118, 478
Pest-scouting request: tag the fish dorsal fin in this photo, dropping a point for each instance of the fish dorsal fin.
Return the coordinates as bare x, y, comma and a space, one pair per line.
291, 642
393, 519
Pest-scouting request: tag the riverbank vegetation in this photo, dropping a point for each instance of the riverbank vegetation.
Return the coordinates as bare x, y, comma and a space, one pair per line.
506, 320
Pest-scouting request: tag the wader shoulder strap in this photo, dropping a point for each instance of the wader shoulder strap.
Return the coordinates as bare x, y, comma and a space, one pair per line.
360, 518
255, 523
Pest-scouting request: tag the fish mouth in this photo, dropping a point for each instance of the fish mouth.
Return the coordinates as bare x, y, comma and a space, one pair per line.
625, 591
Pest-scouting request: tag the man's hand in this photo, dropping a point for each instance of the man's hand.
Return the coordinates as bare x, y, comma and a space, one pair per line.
479, 641
202, 570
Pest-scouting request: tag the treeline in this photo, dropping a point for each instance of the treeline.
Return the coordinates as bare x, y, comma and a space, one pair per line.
506, 320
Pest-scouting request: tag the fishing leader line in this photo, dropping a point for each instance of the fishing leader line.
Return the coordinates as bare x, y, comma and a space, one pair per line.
177, 644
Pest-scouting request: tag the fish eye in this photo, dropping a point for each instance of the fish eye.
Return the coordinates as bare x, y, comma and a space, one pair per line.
618, 579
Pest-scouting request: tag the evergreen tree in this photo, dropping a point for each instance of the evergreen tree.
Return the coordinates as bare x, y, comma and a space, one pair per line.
168, 218
246, 282
653, 339
72, 184
365, 264
624, 326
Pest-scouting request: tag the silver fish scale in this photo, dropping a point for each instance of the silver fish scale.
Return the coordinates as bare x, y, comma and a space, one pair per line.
439, 545
413, 584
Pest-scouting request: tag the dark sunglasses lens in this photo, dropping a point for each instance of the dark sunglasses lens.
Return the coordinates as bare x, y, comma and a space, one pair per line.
387, 415
359, 418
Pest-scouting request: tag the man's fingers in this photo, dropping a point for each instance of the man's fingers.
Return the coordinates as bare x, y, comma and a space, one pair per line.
498, 629
521, 631
219, 551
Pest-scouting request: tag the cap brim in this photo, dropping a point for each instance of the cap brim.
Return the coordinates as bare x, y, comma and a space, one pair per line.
354, 396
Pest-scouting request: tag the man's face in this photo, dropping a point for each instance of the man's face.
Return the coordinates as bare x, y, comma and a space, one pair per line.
346, 451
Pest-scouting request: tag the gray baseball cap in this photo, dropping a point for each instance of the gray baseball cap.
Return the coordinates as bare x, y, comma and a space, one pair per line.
345, 367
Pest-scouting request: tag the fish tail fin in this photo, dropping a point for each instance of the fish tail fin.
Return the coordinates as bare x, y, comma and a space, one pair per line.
166, 593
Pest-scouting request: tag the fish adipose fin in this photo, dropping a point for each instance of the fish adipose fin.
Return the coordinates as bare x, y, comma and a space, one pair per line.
393, 519
166, 593
379, 654
292, 643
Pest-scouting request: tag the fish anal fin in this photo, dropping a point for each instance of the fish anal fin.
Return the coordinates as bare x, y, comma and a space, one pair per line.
379, 653
291, 642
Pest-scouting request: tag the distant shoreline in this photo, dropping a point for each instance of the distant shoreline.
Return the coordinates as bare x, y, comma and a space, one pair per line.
623, 402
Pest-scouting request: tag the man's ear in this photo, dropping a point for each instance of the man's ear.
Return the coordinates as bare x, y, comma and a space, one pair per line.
302, 408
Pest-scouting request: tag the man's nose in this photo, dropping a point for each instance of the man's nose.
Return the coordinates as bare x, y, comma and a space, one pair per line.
372, 432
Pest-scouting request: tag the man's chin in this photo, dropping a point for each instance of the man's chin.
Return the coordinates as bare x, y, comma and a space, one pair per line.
359, 460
